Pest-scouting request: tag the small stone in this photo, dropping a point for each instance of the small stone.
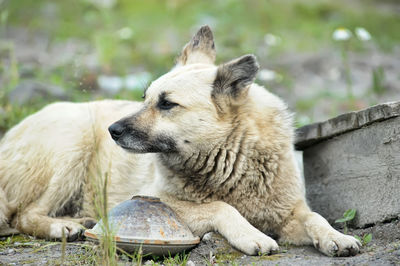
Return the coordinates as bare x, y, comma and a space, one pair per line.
207, 236
11, 251
190, 263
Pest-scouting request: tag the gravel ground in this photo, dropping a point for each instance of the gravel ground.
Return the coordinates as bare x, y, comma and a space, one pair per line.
384, 249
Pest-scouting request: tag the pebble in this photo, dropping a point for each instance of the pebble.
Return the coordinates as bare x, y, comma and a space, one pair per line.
207, 236
190, 263
11, 251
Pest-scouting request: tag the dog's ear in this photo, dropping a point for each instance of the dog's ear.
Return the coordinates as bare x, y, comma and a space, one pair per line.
200, 49
235, 77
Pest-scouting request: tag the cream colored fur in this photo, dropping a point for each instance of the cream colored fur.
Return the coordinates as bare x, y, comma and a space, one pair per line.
233, 170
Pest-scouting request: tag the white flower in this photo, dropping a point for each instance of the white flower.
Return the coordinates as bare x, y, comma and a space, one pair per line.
271, 39
110, 84
103, 3
341, 34
362, 34
269, 75
125, 33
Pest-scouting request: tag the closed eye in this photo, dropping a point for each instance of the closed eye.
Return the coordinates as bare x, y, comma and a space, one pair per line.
164, 104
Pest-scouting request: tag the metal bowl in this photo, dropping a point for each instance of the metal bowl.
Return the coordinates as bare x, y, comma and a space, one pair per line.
148, 223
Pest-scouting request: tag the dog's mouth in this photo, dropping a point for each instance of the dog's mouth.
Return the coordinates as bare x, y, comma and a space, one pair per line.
133, 149
133, 144
138, 141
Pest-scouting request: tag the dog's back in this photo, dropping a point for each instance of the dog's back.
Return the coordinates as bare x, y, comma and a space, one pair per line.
49, 157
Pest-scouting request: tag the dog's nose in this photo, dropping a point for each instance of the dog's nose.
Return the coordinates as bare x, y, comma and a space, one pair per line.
116, 130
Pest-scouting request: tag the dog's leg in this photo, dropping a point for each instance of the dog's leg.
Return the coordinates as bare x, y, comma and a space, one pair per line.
5, 212
64, 186
34, 221
307, 227
225, 219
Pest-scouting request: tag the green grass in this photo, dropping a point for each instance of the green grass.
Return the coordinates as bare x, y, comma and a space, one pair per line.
163, 26
160, 28
349, 216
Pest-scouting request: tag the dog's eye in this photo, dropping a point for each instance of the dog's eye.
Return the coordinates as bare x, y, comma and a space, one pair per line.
164, 104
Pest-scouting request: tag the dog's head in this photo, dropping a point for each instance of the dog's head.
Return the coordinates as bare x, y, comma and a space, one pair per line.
191, 107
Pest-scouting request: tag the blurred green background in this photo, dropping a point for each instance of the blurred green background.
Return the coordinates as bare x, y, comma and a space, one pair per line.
82, 50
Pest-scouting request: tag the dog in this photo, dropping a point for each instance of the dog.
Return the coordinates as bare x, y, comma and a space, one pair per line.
207, 140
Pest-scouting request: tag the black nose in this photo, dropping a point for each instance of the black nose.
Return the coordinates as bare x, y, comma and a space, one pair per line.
116, 130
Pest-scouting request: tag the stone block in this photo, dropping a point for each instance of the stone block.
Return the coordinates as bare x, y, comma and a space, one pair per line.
353, 161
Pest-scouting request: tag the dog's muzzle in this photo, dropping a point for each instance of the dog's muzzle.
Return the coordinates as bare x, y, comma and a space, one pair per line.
136, 140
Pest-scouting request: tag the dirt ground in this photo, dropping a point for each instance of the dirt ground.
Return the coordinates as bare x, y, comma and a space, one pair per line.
384, 249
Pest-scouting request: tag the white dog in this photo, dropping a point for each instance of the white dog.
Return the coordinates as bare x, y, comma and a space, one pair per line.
208, 141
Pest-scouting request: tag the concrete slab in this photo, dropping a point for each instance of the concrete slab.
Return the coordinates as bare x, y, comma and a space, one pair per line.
308, 135
353, 161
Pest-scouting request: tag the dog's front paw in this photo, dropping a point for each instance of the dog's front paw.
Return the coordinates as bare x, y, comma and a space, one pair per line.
338, 244
255, 243
70, 230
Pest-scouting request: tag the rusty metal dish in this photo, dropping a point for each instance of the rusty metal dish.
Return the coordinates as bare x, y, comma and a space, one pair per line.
148, 223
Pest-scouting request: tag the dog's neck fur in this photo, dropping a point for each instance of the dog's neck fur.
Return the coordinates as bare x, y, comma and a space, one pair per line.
238, 158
